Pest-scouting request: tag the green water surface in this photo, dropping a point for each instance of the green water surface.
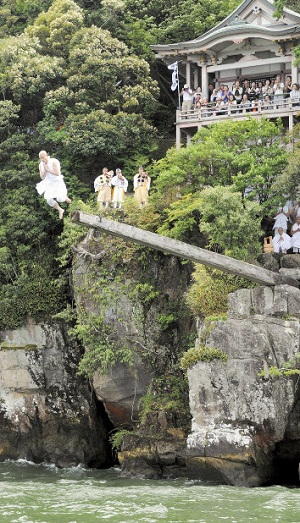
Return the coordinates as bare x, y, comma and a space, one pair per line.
38, 494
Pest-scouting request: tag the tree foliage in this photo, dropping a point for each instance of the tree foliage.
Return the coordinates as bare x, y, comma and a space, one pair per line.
247, 155
74, 80
81, 94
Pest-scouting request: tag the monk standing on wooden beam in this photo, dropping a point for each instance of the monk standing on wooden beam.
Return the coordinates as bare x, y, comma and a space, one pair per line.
120, 185
141, 186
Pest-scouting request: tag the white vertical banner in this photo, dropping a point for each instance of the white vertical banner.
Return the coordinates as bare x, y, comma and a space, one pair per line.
174, 67
175, 79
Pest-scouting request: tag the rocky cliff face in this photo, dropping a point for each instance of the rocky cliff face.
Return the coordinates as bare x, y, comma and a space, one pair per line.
245, 428
48, 413
139, 299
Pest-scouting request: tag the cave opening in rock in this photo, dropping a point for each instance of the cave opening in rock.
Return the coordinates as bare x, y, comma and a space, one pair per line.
286, 463
104, 421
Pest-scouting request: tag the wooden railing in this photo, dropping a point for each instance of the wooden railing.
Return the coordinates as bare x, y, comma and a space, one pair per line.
210, 113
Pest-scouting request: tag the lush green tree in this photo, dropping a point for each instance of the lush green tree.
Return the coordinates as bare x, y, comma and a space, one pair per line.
106, 105
226, 222
56, 27
231, 224
15, 15
248, 154
25, 73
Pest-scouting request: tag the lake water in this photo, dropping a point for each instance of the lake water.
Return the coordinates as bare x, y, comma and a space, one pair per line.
38, 494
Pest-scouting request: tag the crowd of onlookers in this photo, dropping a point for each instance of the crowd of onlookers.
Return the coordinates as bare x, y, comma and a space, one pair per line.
243, 96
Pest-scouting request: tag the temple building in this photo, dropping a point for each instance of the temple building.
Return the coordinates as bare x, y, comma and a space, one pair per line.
250, 44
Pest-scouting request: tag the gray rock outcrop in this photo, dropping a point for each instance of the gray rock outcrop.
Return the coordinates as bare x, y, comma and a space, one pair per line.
245, 428
47, 412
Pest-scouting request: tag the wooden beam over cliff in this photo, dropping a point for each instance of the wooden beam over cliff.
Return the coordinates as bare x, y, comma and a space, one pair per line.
183, 250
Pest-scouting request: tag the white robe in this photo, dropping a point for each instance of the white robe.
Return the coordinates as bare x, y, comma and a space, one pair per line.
120, 188
52, 186
295, 241
282, 242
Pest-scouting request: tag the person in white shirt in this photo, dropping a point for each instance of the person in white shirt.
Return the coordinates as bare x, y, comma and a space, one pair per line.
187, 98
141, 186
295, 94
278, 89
281, 219
103, 187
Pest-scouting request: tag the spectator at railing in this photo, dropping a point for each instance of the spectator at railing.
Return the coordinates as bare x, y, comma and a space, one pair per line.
205, 108
187, 98
237, 91
259, 91
246, 86
231, 104
295, 95
197, 96
225, 94
267, 103
288, 85
255, 105
245, 103
278, 91
210, 90
267, 89
213, 97
252, 94
219, 107
220, 92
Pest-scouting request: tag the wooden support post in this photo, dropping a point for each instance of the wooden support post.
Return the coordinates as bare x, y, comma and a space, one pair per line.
183, 250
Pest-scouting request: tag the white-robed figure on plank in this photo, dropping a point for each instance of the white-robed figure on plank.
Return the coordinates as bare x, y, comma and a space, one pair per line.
281, 219
120, 185
102, 186
281, 241
52, 185
295, 232
141, 186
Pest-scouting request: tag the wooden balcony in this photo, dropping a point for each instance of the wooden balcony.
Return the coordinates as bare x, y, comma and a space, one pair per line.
193, 120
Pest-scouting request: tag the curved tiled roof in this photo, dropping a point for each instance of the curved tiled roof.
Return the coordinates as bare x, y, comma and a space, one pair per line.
235, 25
233, 30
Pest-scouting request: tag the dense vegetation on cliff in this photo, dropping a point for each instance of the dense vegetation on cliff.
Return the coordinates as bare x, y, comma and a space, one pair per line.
79, 79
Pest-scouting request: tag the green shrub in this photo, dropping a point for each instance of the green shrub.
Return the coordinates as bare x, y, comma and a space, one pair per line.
116, 438
287, 369
166, 393
201, 353
207, 296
